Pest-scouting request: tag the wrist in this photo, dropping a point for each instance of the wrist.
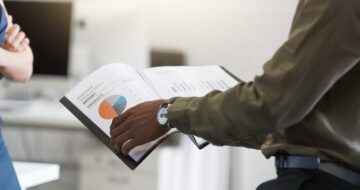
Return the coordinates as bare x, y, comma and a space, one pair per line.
2, 58
162, 115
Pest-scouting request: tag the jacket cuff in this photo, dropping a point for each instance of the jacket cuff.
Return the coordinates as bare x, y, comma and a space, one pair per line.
178, 114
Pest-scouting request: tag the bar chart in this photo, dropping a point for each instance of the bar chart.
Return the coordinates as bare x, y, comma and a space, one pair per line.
200, 85
189, 81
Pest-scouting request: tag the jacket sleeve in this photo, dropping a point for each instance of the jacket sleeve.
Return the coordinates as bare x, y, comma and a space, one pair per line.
323, 45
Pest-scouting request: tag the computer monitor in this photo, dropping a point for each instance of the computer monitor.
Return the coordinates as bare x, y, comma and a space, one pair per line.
65, 52
47, 23
48, 26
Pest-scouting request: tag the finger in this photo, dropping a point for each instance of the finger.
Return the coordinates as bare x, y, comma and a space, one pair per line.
119, 119
13, 31
121, 129
127, 124
24, 44
18, 39
120, 140
129, 145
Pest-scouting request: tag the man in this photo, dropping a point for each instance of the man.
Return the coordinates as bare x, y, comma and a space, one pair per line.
304, 109
16, 60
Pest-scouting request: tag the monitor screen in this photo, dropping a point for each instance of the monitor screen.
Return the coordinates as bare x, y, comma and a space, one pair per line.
47, 24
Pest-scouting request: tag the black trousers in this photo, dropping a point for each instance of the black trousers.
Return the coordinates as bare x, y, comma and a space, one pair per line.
298, 179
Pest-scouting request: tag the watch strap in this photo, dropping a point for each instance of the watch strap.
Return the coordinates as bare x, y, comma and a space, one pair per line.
166, 105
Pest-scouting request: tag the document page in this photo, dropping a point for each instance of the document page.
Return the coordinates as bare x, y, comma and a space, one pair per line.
188, 81
109, 92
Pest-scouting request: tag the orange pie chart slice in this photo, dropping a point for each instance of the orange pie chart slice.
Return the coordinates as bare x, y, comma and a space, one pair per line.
112, 107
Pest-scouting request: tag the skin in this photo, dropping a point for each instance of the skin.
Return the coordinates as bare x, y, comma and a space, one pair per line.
136, 126
15, 40
16, 57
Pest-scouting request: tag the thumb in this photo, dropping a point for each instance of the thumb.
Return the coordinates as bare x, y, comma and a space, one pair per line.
129, 145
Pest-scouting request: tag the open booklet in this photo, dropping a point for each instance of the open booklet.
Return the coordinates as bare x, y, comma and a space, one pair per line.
112, 89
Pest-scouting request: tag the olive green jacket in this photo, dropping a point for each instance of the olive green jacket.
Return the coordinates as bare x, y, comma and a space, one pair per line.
307, 101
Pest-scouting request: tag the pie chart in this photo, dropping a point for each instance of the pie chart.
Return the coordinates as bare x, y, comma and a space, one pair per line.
112, 106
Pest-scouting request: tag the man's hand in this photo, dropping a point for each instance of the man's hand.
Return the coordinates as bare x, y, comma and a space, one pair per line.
15, 39
136, 126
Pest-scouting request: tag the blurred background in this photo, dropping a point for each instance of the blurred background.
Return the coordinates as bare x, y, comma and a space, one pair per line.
71, 38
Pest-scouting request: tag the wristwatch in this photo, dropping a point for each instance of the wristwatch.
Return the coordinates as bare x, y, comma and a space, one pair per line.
162, 115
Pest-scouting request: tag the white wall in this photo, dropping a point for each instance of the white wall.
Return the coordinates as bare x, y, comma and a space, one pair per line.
115, 31
238, 34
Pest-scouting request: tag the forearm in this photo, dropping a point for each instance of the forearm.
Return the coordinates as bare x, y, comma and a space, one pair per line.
237, 117
319, 51
16, 66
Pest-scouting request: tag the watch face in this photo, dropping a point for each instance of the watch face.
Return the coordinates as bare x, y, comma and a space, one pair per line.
162, 116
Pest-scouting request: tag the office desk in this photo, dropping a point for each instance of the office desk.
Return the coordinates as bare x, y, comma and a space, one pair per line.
41, 113
44, 132
47, 132
33, 174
